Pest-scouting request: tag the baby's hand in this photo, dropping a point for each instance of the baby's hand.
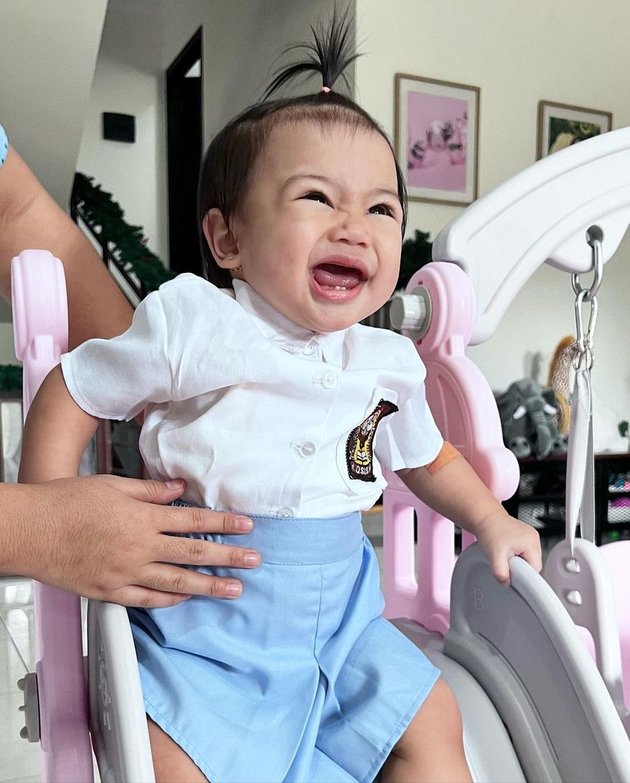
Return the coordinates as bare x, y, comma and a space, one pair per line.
501, 536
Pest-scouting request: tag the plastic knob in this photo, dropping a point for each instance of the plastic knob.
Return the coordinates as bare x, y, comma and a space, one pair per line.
411, 312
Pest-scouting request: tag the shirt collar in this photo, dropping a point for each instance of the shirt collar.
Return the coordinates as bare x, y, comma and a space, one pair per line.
288, 335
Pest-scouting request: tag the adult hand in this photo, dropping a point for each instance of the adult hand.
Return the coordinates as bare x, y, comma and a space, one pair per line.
106, 537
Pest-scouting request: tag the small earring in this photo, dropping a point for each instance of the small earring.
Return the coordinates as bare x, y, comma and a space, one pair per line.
238, 268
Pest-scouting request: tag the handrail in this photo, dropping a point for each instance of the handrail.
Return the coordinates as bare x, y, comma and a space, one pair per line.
134, 267
77, 213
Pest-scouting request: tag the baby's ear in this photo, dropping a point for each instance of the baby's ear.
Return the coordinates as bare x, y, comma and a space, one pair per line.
219, 238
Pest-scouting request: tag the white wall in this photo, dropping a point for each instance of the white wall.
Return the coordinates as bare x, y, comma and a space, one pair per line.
129, 80
47, 57
241, 40
518, 53
7, 352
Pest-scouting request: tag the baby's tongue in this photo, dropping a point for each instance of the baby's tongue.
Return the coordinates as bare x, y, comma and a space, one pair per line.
332, 275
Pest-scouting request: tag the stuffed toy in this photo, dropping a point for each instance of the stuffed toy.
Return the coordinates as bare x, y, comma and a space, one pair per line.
527, 417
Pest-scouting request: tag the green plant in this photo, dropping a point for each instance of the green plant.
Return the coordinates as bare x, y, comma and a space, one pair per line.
415, 254
106, 218
10, 378
623, 428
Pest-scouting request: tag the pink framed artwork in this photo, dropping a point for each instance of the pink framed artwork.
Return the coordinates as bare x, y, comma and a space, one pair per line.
436, 136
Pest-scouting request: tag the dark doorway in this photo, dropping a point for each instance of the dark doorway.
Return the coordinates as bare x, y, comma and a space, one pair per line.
184, 89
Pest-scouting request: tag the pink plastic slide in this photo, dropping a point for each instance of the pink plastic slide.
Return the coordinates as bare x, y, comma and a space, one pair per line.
62, 691
60, 723
465, 411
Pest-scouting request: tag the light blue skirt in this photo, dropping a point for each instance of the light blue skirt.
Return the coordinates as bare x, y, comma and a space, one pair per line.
300, 679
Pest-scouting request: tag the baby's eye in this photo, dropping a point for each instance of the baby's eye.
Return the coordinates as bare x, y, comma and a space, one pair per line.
315, 195
382, 209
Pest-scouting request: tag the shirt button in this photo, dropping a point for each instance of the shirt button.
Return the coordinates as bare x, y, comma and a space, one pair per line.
329, 380
285, 512
309, 349
307, 449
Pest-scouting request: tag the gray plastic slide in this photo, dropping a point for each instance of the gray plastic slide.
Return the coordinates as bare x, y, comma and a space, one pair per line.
489, 750
533, 703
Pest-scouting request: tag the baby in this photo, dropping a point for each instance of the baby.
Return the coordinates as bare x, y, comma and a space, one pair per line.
262, 389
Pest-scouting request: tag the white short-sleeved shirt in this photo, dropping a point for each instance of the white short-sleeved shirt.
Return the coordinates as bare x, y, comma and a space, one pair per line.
258, 414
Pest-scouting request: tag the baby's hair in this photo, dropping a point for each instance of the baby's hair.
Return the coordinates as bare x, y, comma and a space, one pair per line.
330, 53
230, 158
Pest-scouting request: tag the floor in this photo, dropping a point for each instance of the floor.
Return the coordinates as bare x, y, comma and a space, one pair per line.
19, 759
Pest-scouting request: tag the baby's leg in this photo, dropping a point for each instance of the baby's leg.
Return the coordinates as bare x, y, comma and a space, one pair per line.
431, 750
171, 764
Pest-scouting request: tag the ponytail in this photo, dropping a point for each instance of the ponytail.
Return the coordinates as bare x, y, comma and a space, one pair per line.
328, 54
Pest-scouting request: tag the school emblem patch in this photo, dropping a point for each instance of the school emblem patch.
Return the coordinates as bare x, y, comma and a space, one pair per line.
360, 443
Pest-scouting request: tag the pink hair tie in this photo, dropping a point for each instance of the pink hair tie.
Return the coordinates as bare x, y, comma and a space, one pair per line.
325, 89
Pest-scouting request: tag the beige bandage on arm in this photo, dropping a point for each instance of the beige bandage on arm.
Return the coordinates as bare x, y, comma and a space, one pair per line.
447, 454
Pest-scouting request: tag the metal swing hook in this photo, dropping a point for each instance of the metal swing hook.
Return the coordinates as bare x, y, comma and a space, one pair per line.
584, 339
594, 237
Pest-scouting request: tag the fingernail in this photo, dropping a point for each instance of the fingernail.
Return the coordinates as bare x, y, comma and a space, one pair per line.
251, 558
233, 589
174, 484
243, 524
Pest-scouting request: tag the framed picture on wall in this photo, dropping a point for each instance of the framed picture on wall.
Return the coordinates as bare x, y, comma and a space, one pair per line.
561, 125
436, 137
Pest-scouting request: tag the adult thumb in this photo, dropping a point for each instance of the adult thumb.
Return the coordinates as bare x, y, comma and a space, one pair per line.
149, 490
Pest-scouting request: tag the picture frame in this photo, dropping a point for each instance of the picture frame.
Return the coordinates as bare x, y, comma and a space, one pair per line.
436, 138
560, 125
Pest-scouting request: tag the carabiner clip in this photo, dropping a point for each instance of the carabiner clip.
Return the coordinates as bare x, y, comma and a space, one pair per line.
594, 237
584, 339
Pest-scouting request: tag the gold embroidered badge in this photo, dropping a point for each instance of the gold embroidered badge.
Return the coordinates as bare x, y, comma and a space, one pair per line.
360, 443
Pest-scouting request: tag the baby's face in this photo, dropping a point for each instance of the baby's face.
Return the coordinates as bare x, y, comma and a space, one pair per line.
319, 232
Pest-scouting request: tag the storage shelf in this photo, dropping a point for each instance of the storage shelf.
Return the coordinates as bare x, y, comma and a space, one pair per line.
540, 508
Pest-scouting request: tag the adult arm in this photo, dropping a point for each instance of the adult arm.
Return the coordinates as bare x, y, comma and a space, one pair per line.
456, 492
104, 537
31, 219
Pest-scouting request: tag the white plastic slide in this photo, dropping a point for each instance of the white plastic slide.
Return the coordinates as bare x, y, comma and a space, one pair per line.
518, 644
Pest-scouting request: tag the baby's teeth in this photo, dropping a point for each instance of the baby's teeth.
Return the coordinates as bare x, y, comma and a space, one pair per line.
340, 288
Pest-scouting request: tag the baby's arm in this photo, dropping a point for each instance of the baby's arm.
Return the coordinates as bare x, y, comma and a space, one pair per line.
456, 492
56, 433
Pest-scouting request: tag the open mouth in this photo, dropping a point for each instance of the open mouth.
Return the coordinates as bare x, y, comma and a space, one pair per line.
331, 276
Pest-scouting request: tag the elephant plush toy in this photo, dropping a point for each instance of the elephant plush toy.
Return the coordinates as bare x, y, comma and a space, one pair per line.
527, 412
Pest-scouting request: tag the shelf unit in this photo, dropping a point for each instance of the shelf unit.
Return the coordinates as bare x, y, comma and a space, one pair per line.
540, 496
